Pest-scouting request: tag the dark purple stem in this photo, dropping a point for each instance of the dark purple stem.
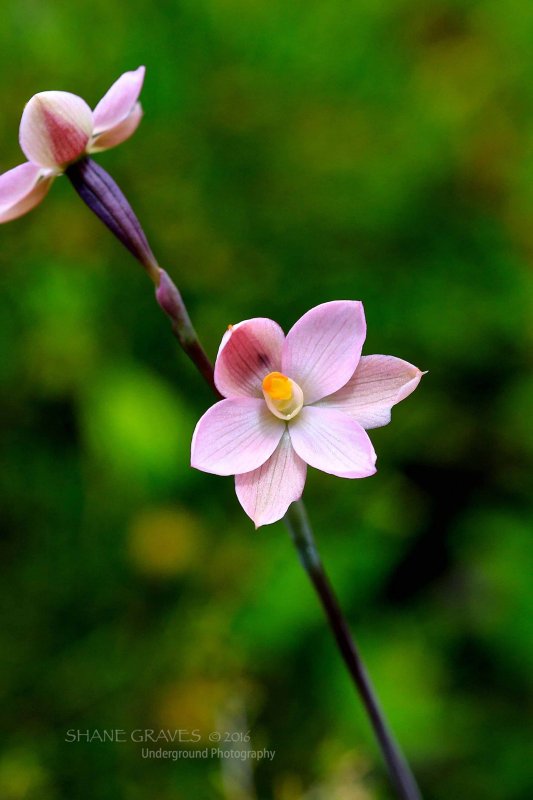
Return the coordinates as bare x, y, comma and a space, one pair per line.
300, 530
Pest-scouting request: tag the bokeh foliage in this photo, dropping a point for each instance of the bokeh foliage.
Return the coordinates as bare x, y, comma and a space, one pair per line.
291, 153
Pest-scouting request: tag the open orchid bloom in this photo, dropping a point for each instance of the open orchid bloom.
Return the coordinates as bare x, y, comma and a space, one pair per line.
59, 128
305, 398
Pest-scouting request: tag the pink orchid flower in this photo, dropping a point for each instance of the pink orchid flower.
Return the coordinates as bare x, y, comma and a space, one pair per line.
305, 398
58, 128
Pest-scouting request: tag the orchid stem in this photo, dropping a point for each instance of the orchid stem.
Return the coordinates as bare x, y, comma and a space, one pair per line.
193, 348
300, 530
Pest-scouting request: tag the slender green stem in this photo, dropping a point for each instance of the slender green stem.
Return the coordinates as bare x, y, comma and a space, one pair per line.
298, 524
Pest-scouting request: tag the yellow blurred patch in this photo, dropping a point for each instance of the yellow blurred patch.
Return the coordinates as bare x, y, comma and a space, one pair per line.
21, 775
165, 541
195, 704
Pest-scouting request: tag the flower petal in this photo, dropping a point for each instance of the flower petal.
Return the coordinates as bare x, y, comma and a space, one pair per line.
247, 353
267, 492
378, 383
234, 436
331, 441
118, 134
323, 348
55, 128
119, 101
21, 189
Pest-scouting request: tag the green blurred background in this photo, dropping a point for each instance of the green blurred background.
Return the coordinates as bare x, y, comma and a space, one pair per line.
291, 153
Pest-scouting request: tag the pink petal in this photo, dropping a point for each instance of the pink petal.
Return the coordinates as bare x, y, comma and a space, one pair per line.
323, 348
331, 441
247, 353
17, 182
234, 436
21, 189
119, 101
55, 128
267, 492
379, 382
119, 133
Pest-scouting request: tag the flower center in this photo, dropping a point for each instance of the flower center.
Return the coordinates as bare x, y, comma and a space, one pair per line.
282, 395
